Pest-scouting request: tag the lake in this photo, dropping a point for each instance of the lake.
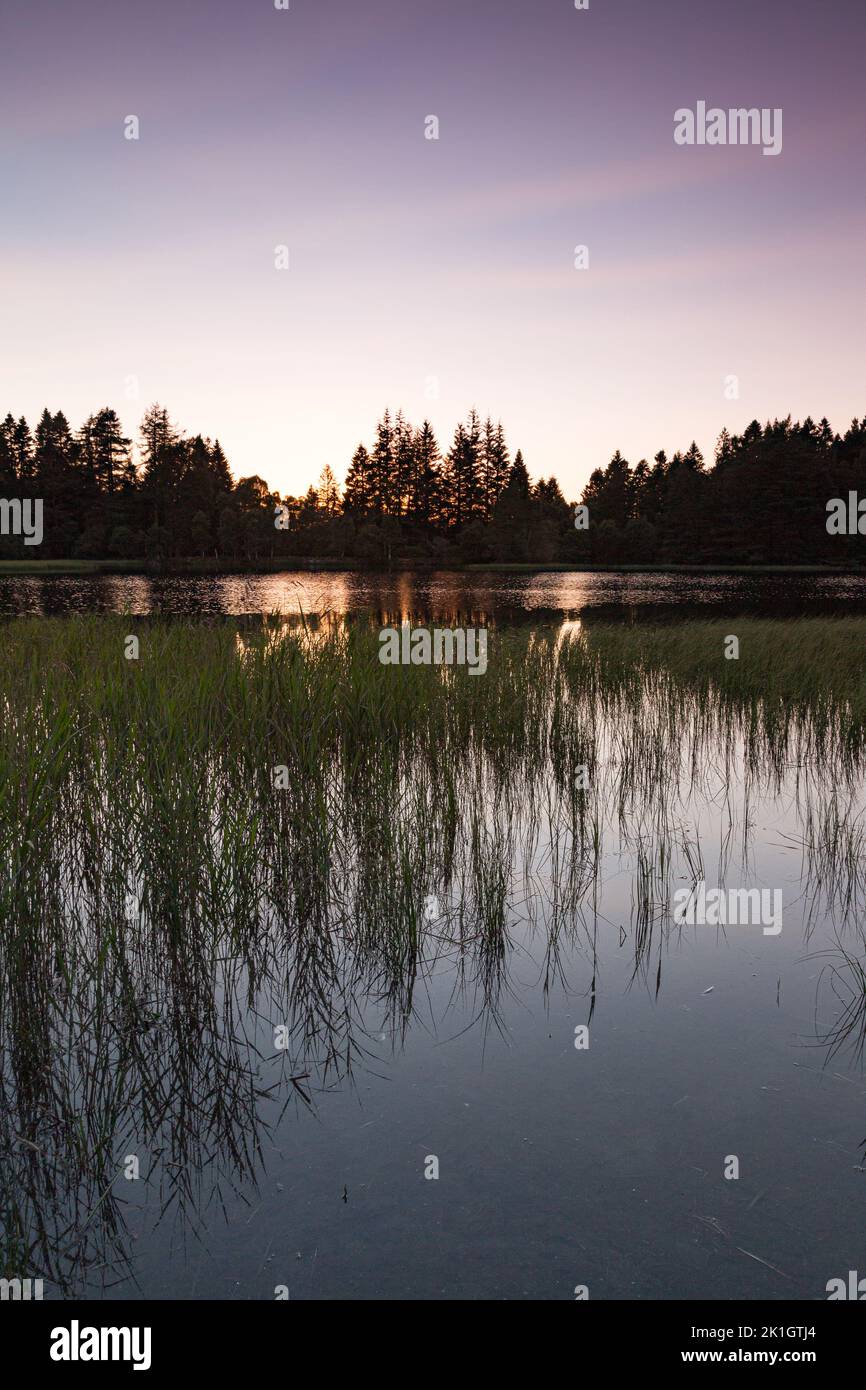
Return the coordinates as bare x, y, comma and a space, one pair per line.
437, 595
425, 1025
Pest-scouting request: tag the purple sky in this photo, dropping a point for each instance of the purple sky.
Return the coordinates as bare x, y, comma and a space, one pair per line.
411, 259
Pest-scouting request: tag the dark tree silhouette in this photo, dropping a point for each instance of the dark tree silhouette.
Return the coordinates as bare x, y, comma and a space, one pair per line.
763, 500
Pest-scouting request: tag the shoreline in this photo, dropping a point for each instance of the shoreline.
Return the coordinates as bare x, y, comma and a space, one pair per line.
212, 567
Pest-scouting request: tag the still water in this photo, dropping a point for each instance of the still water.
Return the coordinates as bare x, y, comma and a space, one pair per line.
558, 1166
437, 595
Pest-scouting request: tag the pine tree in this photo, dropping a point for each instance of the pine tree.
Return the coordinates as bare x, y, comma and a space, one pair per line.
195, 484
723, 447
164, 464
693, 458
475, 499
56, 482
463, 484
158, 434
22, 451
112, 449
85, 456
425, 502
638, 483
494, 465
220, 473
52, 453
382, 467
403, 446
455, 500
7, 455
358, 492
518, 478
512, 515
328, 492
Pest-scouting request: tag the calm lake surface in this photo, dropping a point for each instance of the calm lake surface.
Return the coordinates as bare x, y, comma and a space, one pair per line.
558, 1166
439, 595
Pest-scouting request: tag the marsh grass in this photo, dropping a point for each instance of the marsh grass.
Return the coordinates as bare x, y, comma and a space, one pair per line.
164, 907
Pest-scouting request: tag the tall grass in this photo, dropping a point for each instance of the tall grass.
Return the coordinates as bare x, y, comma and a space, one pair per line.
164, 906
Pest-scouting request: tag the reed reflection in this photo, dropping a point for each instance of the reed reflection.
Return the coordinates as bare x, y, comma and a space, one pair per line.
190, 951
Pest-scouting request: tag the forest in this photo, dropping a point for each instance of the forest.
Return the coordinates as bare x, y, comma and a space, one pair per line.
762, 499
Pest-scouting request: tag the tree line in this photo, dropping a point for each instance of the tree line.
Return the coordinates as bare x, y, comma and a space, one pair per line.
762, 500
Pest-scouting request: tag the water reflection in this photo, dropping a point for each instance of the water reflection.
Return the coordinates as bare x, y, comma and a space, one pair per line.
191, 962
442, 595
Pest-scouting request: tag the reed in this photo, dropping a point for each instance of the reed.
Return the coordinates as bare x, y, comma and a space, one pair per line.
165, 906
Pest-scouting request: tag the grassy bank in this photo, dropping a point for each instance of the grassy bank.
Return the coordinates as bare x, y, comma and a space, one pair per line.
192, 565
208, 566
